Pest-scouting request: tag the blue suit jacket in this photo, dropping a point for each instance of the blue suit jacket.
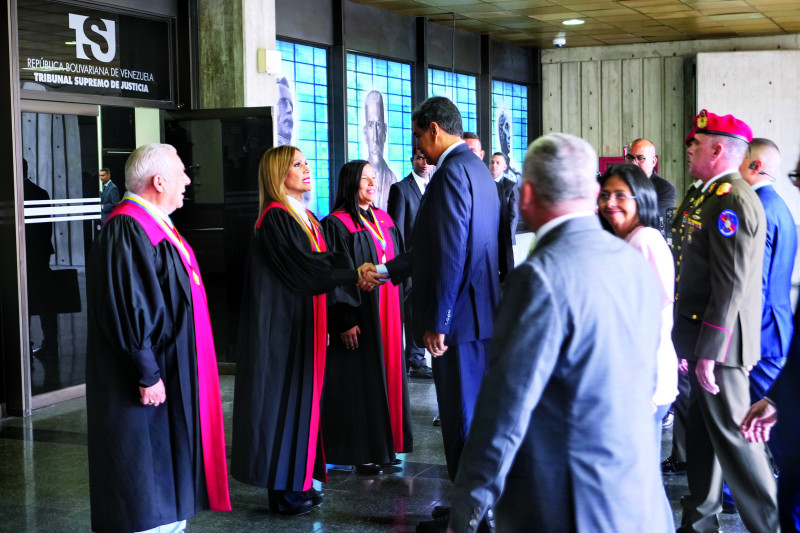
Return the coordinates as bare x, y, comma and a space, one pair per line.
455, 272
563, 424
781, 247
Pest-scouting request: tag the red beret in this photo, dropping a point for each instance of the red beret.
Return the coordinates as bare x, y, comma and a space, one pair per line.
690, 136
727, 125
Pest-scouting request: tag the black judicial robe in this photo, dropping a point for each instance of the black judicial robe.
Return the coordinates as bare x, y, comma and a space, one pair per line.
145, 464
356, 417
275, 363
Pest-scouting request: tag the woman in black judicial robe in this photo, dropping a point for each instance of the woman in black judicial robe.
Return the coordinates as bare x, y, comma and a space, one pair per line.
281, 346
365, 406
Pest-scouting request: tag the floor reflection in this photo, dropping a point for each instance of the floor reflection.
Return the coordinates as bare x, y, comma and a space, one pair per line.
44, 477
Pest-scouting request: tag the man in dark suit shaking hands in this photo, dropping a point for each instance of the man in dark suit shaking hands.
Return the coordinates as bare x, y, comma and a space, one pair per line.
456, 287
404, 199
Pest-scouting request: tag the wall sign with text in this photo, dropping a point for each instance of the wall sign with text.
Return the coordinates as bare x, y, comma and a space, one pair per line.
66, 48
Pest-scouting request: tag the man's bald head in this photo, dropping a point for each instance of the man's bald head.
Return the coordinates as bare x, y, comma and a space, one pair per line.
642, 153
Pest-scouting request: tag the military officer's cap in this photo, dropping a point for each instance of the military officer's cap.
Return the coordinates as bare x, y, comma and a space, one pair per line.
727, 125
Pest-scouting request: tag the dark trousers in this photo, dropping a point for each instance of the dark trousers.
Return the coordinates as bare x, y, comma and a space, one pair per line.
661, 412
680, 409
784, 445
415, 356
40, 301
789, 493
715, 447
457, 375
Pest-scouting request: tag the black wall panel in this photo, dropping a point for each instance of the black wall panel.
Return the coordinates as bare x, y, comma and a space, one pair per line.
440, 49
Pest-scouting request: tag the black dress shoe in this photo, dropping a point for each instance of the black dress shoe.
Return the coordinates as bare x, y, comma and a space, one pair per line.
392, 467
303, 508
421, 372
437, 421
289, 503
438, 525
440, 511
368, 470
671, 467
316, 496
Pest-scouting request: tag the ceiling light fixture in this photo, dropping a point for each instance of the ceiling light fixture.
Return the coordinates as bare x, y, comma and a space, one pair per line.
572, 22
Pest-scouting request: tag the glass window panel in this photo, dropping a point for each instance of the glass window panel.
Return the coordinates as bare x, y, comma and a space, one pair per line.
510, 123
364, 64
305, 69
393, 81
461, 89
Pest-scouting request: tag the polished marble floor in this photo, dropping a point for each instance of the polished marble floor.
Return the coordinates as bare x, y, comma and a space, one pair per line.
44, 481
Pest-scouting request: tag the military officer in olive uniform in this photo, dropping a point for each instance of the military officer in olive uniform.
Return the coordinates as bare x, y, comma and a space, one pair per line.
718, 327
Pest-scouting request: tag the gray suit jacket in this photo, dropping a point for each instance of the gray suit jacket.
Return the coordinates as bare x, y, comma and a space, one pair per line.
563, 425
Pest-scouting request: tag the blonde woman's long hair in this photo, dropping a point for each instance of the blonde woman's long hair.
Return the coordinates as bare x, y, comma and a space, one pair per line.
272, 172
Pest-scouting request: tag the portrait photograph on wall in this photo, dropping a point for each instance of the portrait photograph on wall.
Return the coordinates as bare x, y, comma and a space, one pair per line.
379, 118
510, 125
302, 115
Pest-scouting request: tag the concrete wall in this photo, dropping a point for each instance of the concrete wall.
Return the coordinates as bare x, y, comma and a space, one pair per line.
761, 89
230, 33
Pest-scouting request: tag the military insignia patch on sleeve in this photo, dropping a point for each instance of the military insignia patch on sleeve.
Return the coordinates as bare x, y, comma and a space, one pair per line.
724, 189
728, 223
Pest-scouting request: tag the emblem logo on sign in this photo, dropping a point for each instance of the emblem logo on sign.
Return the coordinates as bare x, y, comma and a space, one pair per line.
109, 34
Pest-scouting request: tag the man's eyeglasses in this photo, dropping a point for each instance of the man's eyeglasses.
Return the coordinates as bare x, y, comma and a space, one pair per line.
640, 158
793, 177
618, 197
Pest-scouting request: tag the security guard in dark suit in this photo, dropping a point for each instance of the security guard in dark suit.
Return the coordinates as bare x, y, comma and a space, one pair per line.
404, 199
717, 329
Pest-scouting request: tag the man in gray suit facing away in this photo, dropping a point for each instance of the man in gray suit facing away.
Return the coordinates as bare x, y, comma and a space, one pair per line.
562, 439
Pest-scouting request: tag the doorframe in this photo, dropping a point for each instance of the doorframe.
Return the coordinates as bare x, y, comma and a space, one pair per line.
14, 355
29, 401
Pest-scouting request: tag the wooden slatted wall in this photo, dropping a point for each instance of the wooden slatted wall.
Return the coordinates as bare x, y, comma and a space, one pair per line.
614, 94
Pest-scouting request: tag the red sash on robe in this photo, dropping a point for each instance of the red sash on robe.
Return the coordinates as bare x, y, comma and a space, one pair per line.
391, 331
320, 348
212, 429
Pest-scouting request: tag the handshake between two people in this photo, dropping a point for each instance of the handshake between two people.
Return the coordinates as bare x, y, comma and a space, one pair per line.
369, 278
